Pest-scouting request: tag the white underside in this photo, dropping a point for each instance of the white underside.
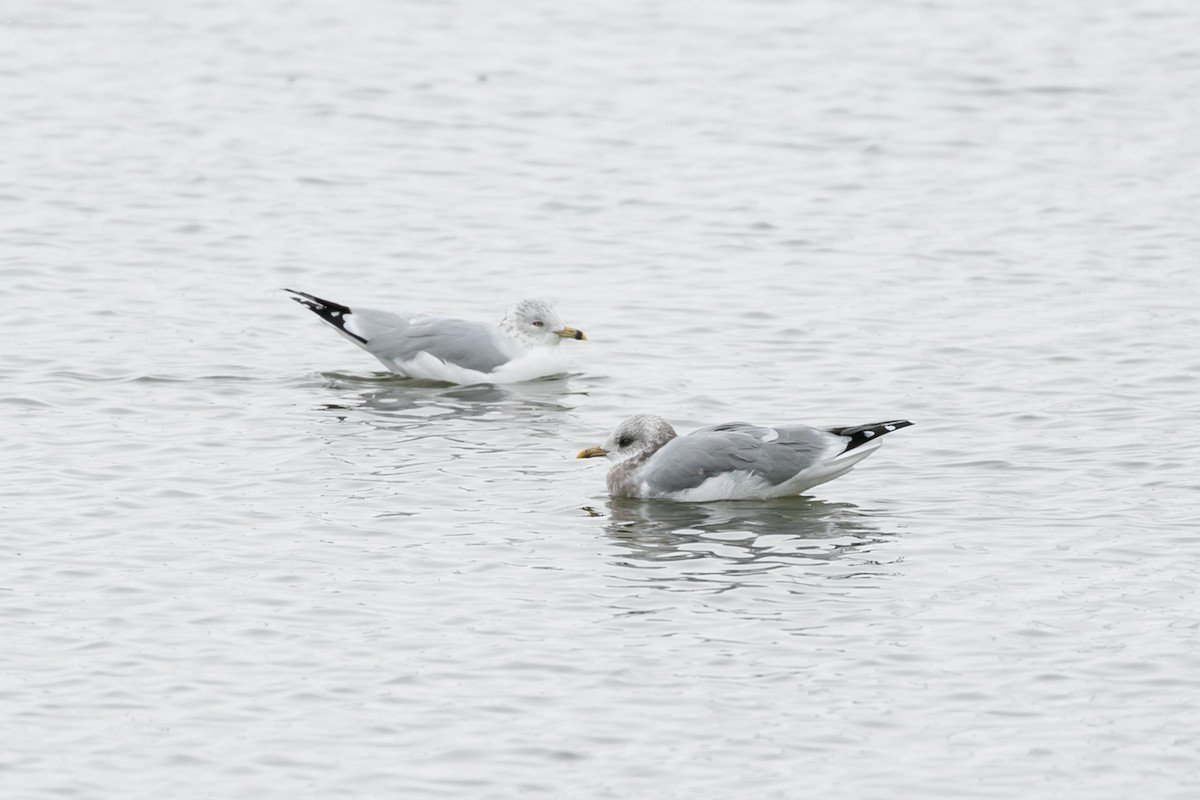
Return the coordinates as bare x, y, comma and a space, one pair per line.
745, 485
533, 364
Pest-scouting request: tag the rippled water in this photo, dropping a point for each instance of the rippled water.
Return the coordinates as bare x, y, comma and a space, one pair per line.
238, 561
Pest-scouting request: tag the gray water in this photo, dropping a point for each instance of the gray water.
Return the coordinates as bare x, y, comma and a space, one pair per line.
237, 560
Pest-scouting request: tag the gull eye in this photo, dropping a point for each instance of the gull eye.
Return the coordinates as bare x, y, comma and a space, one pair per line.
538, 323
624, 442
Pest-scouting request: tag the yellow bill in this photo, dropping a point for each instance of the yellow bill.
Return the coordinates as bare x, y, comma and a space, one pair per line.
572, 333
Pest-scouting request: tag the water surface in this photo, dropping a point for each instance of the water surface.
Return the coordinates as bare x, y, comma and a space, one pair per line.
239, 561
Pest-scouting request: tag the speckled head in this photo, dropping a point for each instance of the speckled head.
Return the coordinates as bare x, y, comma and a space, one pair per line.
640, 435
536, 322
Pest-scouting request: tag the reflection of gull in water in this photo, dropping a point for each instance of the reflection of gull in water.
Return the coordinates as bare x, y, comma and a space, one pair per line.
729, 544
427, 440
402, 399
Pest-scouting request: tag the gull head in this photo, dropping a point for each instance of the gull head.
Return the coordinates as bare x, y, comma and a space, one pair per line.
638, 436
536, 322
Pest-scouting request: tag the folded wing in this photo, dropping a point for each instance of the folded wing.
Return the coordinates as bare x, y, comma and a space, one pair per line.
398, 339
772, 455
470, 345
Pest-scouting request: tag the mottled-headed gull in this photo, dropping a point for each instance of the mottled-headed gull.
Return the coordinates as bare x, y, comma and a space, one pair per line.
733, 461
521, 347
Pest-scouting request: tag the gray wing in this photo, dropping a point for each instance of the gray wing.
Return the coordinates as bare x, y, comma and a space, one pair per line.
400, 337
471, 345
777, 454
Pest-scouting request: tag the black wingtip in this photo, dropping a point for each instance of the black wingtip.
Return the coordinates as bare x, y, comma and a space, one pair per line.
861, 434
333, 313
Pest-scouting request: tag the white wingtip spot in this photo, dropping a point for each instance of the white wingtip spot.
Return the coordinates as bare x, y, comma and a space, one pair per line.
868, 434
890, 427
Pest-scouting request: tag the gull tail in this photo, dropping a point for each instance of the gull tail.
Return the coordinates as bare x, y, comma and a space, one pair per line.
862, 434
333, 313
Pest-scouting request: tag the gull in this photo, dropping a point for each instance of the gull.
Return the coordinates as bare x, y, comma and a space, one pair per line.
732, 461
523, 346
